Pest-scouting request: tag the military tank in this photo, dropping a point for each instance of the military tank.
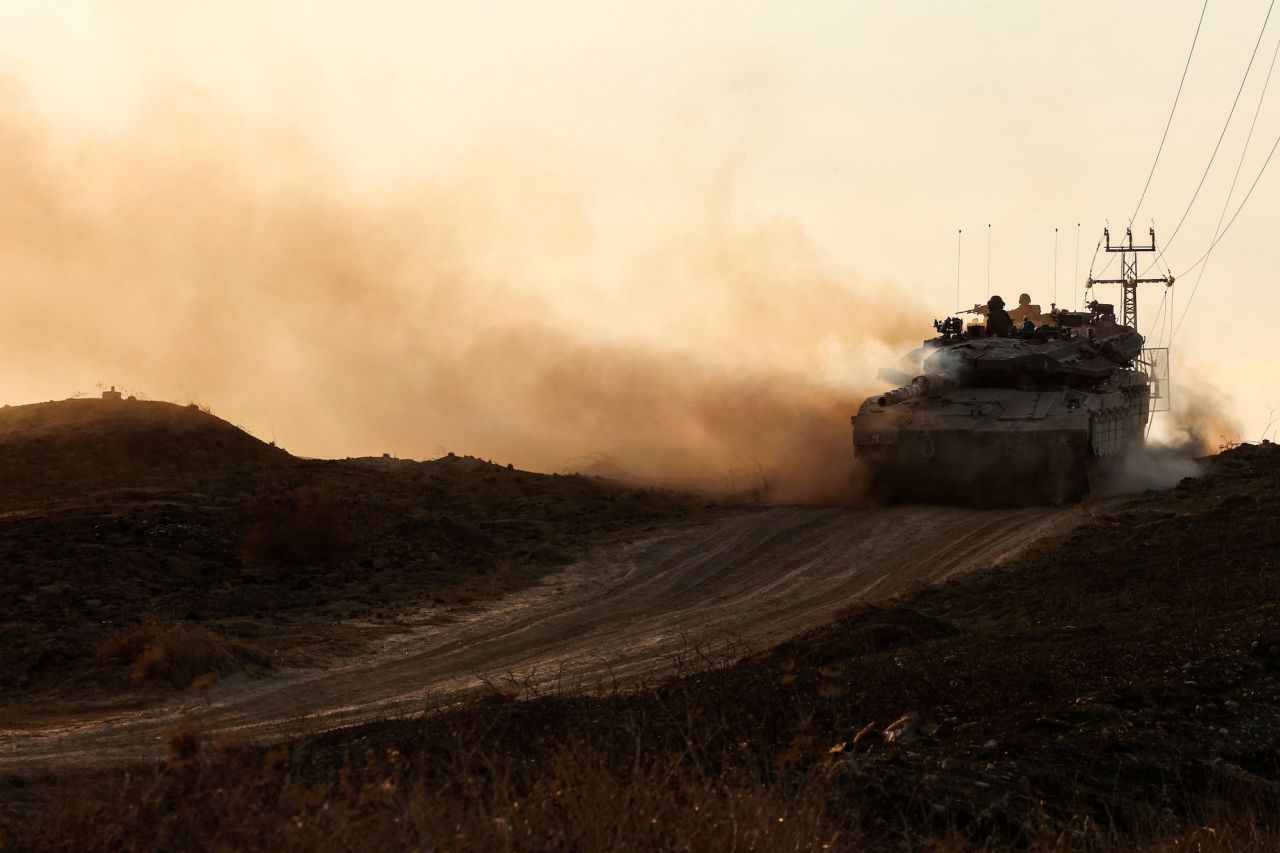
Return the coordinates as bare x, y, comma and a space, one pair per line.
1026, 417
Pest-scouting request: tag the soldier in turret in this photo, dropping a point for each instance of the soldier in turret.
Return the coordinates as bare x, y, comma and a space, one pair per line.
998, 320
1026, 311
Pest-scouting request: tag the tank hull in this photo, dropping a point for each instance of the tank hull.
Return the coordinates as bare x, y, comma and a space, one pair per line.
981, 470
999, 447
1008, 419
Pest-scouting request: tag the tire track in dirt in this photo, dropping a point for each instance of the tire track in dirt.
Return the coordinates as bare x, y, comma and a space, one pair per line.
752, 579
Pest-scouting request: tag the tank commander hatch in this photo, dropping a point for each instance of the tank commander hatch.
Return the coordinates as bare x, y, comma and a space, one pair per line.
998, 320
1026, 311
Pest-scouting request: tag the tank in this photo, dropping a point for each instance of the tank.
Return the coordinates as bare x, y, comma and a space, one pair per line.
1034, 417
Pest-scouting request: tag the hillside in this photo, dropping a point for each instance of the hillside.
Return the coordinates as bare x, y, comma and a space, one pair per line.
117, 516
1116, 688
71, 449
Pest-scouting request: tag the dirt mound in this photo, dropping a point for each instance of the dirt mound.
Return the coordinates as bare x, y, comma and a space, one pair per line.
60, 449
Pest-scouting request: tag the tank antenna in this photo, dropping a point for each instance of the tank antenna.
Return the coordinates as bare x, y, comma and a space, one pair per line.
959, 235
988, 260
1055, 266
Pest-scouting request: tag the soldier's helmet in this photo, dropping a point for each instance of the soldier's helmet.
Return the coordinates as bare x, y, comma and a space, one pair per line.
995, 303
1024, 299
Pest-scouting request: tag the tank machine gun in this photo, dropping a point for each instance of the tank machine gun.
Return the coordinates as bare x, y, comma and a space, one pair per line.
950, 328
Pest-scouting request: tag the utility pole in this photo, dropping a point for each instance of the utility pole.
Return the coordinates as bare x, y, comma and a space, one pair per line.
1128, 279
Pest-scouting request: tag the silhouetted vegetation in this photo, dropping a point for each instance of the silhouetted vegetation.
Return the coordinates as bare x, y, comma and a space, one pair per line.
177, 653
300, 528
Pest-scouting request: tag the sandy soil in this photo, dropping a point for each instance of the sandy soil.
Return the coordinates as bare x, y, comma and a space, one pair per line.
750, 579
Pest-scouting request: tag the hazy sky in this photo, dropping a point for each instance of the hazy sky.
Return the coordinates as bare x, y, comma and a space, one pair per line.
869, 132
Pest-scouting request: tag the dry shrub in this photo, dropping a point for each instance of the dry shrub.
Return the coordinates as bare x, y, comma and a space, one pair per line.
585, 796
578, 800
584, 799
303, 528
183, 744
179, 653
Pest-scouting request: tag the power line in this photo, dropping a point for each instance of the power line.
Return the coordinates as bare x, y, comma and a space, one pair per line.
1166, 316
1097, 248
1172, 110
1155, 321
1230, 192
1111, 259
1221, 136
1227, 228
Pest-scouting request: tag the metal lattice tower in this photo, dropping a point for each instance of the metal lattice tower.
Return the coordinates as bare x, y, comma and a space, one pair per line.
1128, 279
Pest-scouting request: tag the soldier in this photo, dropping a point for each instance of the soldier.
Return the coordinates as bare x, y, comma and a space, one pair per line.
998, 320
1026, 311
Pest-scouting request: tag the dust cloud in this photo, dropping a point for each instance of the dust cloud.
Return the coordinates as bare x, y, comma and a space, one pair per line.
505, 305
1154, 466
1200, 424
1203, 420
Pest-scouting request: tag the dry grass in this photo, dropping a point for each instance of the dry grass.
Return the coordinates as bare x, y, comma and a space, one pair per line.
580, 803
179, 653
615, 787
301, 528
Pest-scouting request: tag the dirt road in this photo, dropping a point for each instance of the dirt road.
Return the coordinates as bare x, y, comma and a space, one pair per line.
753, 579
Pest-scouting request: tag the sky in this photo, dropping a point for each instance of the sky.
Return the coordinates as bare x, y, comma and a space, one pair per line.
761, 191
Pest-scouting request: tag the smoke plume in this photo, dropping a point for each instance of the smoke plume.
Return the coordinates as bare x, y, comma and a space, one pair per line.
501, 306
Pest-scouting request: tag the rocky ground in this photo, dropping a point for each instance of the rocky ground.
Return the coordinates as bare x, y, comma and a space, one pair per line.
1117, 688
115, 514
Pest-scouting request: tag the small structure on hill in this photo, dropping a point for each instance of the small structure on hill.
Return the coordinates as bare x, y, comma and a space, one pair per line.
113, 394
